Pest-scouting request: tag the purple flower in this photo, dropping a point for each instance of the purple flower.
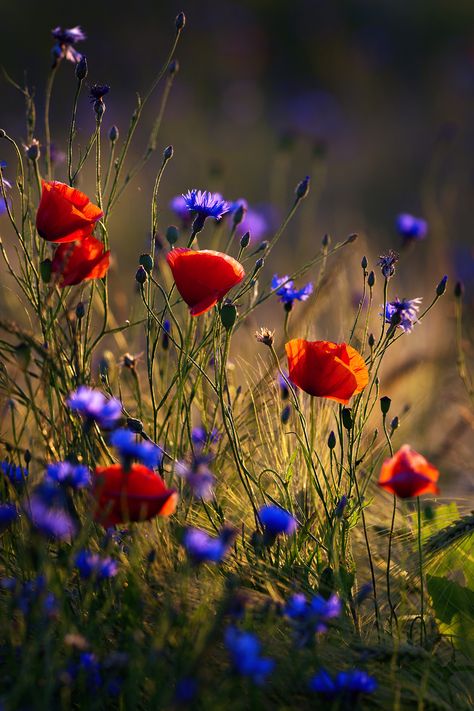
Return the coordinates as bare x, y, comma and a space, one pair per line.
98, 91
411, 228
180, 208
245, 653
128, 448
65, 39
347, 685
287, 293
202, 548
16, 475
8, 186
93, 406
387, 263
8, 514
311, 616
276, 520
200, 437
92, 565
403, 313
206, 204
198, 476
49, 517
77, 476
253, 221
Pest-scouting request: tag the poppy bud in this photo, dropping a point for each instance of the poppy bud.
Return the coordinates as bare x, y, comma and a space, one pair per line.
385, 403
45, 270
113, 134
364, 263
245, 240
302, 189
371, 340
180, 21
285, 415
173, 67
228, 316
146, 260
168, 153
459, 290
239, 215
371, 280
347, 418
141, 275
134, 425
172, 235
80, 310
441, 288
331, 440
326, 241
81, 69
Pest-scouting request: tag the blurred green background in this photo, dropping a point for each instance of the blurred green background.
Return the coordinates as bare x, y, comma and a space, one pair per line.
374, 99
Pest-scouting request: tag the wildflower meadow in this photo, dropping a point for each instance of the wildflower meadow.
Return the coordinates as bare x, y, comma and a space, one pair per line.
212, 495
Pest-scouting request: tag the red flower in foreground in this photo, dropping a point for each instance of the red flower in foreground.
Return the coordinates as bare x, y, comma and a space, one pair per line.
80, 261
135, 495
408, 474
326, 369
203, 277
65, 214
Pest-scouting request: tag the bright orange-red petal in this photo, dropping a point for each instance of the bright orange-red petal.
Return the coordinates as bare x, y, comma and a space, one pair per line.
64, 213
203, 277
408, 474
323, 369
80, 261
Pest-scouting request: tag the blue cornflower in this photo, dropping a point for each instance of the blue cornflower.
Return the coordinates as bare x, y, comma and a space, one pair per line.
77, 476
93, 406
346, 685
206, 204
128, 448
311, 616
203, 548
165, 339
403, 313
198, 476
98, 91
65, 39
245, 649
253, 221
180, 208
276, 520
200, 437
15, 474
46, 509
8, 186
411, 228
387, 263
340, 506
91, 565
287, 293
8, 514
90, 666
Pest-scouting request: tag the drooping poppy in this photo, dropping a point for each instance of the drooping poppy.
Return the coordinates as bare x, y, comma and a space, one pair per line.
408, 474
325, 369
79, 261
203, 277
137, 494
64, 213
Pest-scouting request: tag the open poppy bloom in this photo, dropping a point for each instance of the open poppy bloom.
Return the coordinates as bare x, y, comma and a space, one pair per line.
65, 214
408, 474
203, 277
325, 369
134, 495
79, 261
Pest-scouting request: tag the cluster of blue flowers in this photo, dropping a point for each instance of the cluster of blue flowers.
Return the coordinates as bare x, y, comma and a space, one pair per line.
403, 313
125, 442
345, 686
203, 548
311, 616
92, 565
284, 288
93, 406
245, 652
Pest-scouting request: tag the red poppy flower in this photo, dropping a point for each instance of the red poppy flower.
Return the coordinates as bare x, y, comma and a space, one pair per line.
203, 277
80, 261
135, 495
65, 214
408, 474
326, 369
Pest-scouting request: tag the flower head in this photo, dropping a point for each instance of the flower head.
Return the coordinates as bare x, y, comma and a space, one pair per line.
16, 475
48, 513
180, 208
200, 437
203, 548
198, 476
98, 91
93, 406
313, 615
276, 520
411, 228
77, 476
92, 565
253, 221
387, 263
206, 203
403, 312
408, 474
64, 213
345, 685
76, 262
133, 494
287, 293
8, 514
245, 653
63, 47
203, 277
129, 448
325, 369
